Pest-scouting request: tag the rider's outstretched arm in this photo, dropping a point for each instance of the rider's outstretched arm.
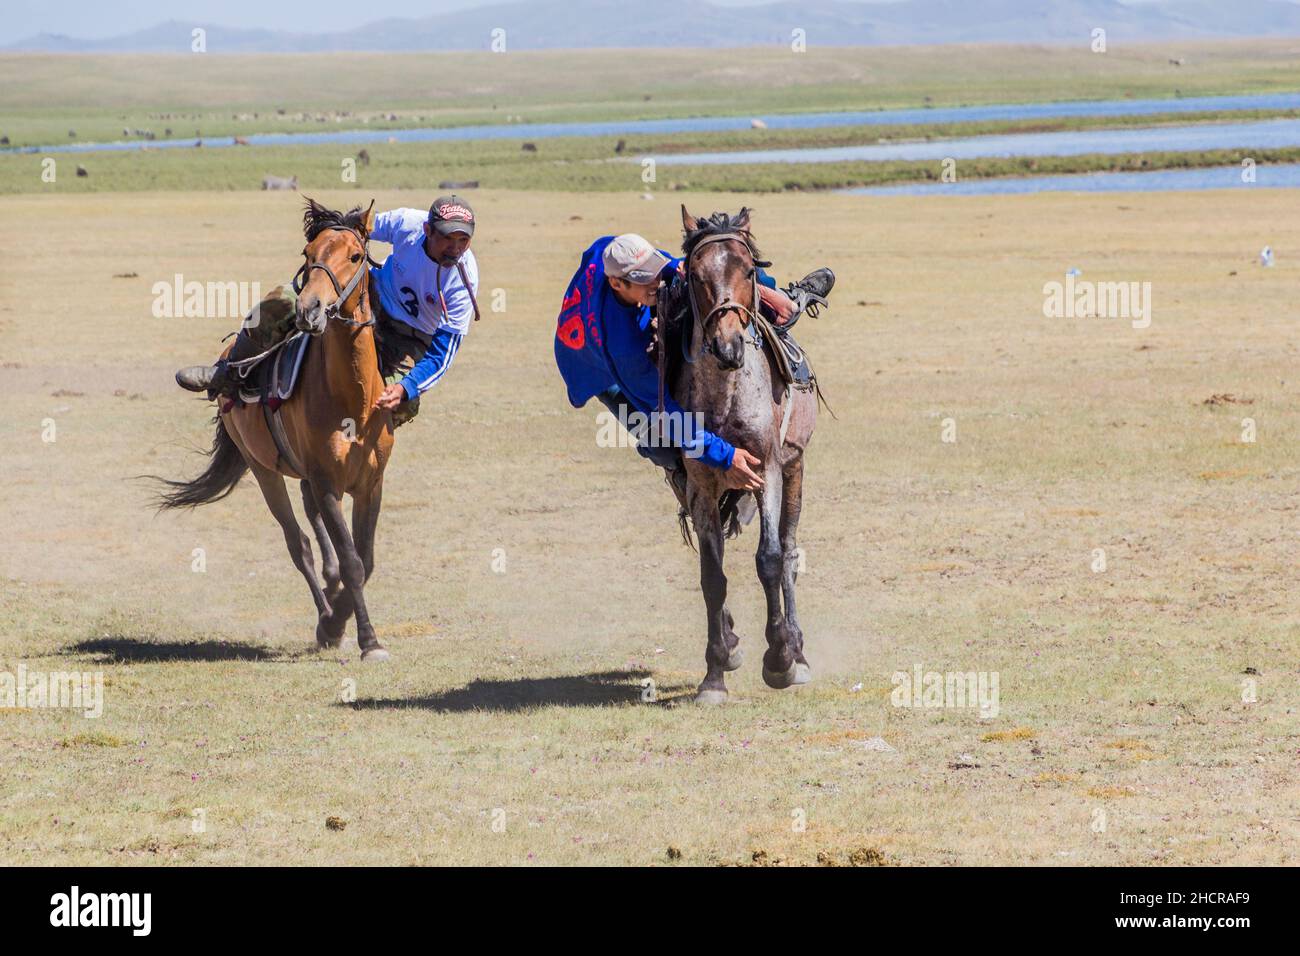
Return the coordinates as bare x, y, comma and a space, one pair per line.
430, 369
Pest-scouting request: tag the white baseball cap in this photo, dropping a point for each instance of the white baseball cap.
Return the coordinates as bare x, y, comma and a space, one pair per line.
631, 257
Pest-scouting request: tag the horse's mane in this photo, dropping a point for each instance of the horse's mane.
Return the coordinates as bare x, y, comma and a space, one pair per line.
721, 223
674, 310
316, 218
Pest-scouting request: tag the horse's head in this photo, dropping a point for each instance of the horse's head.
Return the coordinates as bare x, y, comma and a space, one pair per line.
334, 271
720, 274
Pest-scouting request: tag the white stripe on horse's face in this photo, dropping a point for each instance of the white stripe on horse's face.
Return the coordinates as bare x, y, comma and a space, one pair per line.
723, 286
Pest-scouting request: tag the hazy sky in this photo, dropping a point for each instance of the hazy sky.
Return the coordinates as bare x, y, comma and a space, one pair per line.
94, 19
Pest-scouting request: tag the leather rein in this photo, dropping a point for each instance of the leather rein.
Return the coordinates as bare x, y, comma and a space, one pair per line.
334, 309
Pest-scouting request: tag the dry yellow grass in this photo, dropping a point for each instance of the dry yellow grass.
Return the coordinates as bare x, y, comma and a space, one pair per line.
1018, 733
509, 727
1111, 793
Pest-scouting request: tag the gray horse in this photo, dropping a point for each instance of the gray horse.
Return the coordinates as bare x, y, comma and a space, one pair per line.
731, 380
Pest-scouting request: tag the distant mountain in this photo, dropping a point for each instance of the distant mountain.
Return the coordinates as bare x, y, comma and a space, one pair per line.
552, 24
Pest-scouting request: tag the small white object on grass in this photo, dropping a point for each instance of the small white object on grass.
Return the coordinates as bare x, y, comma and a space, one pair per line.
1266, 256
878, 743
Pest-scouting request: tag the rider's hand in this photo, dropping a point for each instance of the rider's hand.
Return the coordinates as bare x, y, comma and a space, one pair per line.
391, 397
743, 472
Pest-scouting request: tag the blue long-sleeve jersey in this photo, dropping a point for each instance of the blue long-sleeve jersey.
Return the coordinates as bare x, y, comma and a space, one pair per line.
601, 343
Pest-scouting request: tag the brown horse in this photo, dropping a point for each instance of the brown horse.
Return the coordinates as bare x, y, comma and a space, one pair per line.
339, 441
730, 379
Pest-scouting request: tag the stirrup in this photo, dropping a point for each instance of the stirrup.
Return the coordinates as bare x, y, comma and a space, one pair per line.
804, 301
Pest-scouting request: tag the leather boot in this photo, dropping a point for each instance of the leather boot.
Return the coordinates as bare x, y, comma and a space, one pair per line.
216, 379
808, 294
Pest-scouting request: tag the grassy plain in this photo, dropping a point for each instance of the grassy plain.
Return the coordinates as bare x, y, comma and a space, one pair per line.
1122, 738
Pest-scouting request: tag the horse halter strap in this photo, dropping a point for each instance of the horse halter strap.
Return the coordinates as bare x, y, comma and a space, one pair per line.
333, 310
747, 315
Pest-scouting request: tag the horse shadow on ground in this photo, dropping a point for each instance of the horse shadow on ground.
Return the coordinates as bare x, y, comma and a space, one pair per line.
135, 650
603, 689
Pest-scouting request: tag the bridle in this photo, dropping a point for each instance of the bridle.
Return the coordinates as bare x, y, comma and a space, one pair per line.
699, 345
334, 309
747, 314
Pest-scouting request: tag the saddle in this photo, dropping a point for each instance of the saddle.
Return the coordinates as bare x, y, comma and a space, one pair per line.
271, 381
791, 361
268, 380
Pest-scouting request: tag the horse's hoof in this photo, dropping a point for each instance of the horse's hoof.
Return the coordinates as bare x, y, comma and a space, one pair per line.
784, 679
374, 655
323, 638
802, 672
735, 657
710, 695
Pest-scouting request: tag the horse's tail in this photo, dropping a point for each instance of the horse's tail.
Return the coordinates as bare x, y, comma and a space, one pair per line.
226, 465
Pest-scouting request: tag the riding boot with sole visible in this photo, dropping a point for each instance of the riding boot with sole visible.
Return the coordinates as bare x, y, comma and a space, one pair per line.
808, 295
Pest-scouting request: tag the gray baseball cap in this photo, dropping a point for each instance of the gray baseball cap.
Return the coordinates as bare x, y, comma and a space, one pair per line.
631, 257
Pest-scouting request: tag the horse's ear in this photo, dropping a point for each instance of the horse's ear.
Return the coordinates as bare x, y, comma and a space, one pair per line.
368, 221
689, 222
741, 221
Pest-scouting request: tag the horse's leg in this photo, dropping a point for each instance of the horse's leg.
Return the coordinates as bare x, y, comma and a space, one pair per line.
791, 507
277, 499
365, 517
713, 582
780, 665
334, 594
735, 653
351, 566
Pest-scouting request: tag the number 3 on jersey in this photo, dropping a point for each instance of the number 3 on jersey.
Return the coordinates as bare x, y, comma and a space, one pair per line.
410, 301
